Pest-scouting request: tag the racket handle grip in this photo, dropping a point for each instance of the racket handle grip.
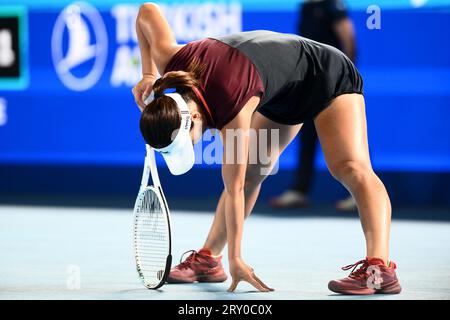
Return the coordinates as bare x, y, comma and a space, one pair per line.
149, 99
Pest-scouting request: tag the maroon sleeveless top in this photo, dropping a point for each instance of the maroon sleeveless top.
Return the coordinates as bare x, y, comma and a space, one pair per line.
229, 79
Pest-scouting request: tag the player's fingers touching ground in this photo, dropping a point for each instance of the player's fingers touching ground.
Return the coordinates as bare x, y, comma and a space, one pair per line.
262, 283
252, 280
233, 286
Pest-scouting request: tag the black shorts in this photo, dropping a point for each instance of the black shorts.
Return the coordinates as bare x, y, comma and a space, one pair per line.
301, 76
298, 102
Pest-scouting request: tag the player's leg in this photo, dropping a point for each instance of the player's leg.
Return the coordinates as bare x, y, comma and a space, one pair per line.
343, 135
265, 132
297, 195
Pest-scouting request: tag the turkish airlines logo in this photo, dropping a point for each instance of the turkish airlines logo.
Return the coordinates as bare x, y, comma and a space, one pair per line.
79, 46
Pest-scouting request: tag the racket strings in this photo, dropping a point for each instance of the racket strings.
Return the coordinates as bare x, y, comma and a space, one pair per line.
151, 238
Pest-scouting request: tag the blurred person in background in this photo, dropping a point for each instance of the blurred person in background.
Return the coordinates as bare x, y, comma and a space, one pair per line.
325, 21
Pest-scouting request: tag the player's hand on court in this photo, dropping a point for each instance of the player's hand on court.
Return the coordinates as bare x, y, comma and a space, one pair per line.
143, 89
242, 272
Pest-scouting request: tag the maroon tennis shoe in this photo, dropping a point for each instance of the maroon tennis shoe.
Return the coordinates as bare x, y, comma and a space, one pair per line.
373, 276
199, 266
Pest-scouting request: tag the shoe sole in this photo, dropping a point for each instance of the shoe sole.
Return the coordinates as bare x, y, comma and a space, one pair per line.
177, 281
206, 279
209, 279
393, 288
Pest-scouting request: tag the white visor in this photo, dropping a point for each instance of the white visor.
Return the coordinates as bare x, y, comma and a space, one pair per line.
179, 155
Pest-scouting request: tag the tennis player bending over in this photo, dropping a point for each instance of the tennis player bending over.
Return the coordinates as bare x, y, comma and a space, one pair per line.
251, 81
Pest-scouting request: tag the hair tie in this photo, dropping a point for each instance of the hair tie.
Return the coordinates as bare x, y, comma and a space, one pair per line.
165, 91
169, 90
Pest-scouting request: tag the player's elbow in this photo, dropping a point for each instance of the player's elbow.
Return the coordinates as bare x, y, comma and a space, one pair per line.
146, 10
233, 179
234, 192
234, 188
148, 7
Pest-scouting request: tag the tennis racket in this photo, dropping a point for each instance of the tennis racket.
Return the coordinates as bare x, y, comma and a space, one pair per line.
151, 231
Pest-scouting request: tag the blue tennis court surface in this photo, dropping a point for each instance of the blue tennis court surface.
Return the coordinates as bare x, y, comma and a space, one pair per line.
84, 253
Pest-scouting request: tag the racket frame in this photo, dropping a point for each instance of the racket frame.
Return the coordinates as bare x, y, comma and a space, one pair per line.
150, 168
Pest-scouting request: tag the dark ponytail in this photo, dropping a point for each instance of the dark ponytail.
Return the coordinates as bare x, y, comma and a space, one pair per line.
162, 117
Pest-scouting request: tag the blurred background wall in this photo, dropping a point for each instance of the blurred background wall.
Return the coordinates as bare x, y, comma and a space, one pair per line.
69, 126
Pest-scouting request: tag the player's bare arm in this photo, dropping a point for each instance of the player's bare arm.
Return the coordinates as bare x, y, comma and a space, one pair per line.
157, 45
236, 145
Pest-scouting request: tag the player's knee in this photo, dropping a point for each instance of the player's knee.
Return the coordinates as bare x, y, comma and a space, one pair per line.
351, 171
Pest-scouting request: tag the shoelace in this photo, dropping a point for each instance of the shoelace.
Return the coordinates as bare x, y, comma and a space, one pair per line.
188, 261
361, 272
